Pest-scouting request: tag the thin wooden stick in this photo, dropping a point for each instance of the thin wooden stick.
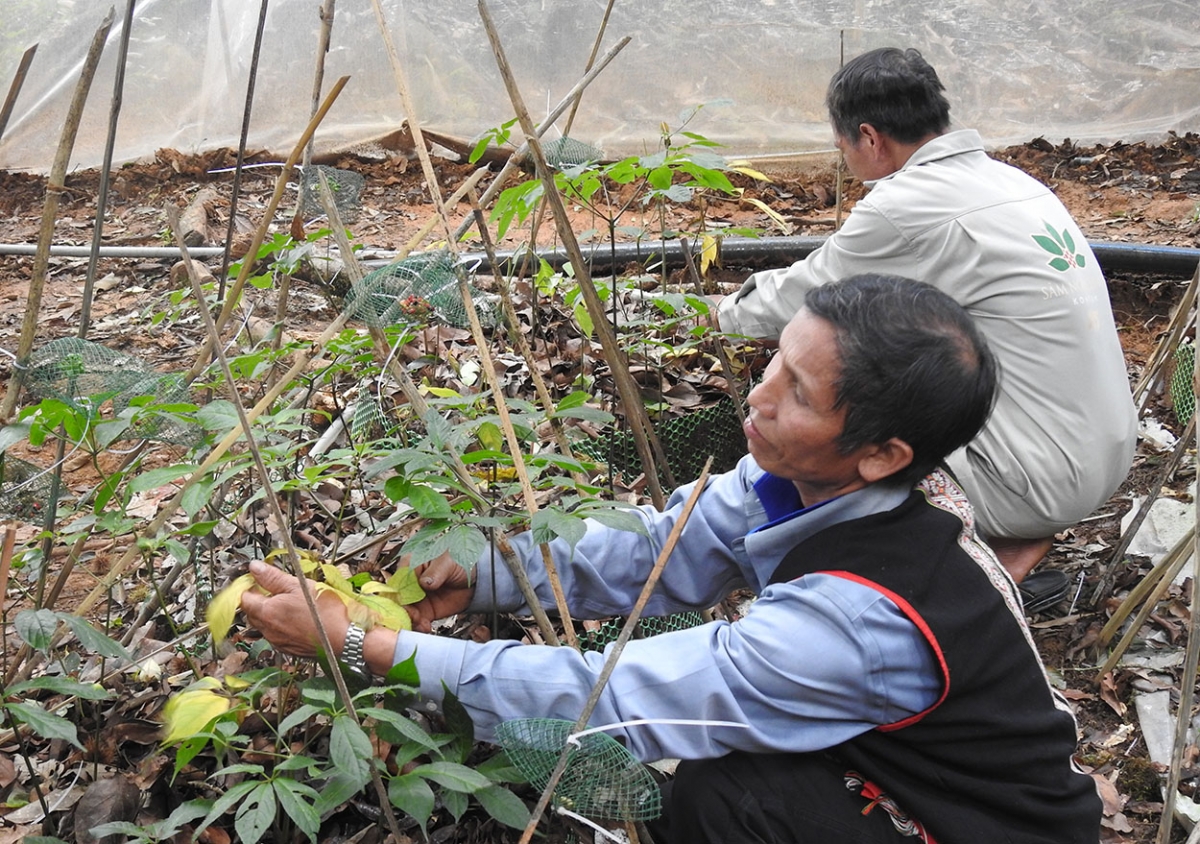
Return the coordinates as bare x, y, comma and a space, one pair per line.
731, 380
326, 13
293, 557
511, 164
591, 59
1104, 586
54, 190
14, 89
114, 113
1165, 350
421, 408
631, 400
615, 651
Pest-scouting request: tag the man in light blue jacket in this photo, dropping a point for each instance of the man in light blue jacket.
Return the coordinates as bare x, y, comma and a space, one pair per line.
1000, 243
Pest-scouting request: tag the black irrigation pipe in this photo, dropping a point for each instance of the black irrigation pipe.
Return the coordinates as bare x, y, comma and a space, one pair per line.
756, 253
749, 252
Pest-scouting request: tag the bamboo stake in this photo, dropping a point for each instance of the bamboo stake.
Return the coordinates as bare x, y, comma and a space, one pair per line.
511, 164
54, 190
260, 233
1165, 350
591, 59
514, 447
1187, 685
517, 337
326, 15
1104, 586
643, 433
618, 647
14, 89
293, 557
421, 408
235, 193
731, 380
85, 310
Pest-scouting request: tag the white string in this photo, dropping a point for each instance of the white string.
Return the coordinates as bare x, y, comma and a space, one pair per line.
574, 737
564, 811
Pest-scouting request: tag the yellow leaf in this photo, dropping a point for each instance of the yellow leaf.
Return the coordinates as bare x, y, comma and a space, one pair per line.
308, 560
490, 436
408, 588
385, 611
709, 253
224, 605
190, 711
770, 212
745, 169
334, 578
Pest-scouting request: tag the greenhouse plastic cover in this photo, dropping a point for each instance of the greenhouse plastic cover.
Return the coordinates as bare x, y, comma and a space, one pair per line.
1089, 70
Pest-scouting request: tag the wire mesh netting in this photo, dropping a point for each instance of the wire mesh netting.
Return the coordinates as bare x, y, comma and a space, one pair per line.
602, 780
568, 152
345, 186
1183, 394
83, 375
607, 632
411, 291
687, 442
24, 489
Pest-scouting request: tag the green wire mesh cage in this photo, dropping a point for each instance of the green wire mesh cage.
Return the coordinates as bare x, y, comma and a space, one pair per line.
411, 291
344, 185
24, 489
602, 779
1183, 394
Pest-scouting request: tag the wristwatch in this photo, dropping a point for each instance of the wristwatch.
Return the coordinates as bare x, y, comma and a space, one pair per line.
352, 652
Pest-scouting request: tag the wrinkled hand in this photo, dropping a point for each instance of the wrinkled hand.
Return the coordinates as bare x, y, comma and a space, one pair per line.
448, 591
283, 616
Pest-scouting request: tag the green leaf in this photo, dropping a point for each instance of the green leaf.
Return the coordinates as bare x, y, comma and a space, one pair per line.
256, 814
199, 528
583, 318
413, 796
92, 639
349, 747
453, 776
154, 478
218, 416
337, 790
500, 768
59, 685
490, 436
465, 544
460, 725
428, 502
36, 628
1049, 245
550, 524
1060, 264
45, 724
455, 802
297, 800
224, 803
400, 729
1080, 261
298, 716
196, 496
1068, 241
404, 673
504, 806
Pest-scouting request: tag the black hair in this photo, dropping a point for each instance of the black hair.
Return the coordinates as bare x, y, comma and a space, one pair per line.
914, 366
894, 90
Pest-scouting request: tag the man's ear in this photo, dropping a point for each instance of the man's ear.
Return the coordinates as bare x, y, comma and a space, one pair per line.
885, 459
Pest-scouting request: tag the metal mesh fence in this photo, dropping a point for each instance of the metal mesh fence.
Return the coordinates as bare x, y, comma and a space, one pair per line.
345, 185
1183, 394
602, 780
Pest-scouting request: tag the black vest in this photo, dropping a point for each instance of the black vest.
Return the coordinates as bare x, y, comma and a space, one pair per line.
991, 760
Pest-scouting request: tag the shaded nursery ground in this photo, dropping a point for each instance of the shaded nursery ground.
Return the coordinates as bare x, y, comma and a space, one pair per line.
1137, 192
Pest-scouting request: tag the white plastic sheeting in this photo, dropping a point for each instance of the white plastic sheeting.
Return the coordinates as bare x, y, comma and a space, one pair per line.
1090, 70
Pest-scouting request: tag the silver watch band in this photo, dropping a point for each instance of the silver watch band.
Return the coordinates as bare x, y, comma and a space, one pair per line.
352, 650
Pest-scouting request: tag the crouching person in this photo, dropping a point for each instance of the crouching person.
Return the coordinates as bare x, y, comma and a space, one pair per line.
884, 685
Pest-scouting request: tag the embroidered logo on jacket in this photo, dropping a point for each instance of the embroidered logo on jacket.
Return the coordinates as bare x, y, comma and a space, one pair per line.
1062, 246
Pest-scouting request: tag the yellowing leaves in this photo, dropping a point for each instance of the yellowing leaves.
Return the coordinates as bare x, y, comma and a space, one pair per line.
190, 711
377, 603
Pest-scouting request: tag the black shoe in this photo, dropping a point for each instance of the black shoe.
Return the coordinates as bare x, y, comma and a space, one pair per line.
1043, 589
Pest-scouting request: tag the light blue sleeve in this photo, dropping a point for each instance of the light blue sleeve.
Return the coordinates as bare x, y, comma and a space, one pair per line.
813, 663
604, 573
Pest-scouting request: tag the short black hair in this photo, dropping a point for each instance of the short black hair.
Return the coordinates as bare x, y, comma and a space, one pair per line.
914, 366
894, 90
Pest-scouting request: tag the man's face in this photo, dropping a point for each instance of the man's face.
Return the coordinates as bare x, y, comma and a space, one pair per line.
793, 426
862, 156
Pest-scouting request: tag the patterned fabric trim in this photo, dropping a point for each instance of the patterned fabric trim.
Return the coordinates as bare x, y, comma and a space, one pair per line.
905, 824
942, 491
